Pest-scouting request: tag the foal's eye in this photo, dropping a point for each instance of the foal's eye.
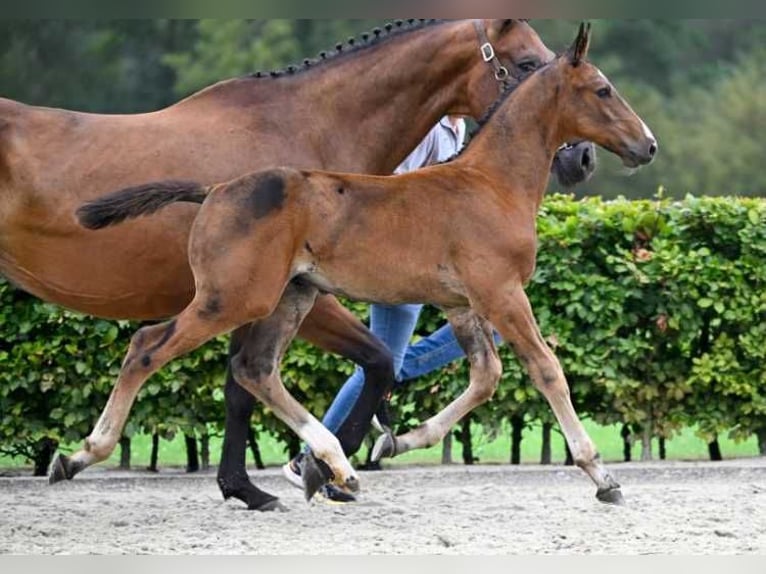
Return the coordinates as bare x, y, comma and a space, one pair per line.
528, 66
604, 92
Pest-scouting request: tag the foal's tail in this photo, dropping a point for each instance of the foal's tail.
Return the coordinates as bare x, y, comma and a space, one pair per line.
139, 200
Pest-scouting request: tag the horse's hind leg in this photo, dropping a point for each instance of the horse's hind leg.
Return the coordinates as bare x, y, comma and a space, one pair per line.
475, 337
256, 367
232, 474
150, 348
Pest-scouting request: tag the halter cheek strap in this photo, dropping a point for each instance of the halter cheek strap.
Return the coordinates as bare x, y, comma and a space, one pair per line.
488, 54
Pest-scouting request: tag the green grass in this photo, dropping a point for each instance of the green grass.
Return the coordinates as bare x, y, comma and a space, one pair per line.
684, 446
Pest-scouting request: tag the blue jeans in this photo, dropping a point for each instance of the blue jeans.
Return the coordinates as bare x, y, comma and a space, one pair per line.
395, 325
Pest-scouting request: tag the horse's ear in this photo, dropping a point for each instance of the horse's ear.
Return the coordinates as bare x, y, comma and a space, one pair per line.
499, 26
579, 49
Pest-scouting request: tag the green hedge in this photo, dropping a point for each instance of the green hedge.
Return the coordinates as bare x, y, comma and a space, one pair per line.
656, 309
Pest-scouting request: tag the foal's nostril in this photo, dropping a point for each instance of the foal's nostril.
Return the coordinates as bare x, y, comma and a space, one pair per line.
585, 160
652, 149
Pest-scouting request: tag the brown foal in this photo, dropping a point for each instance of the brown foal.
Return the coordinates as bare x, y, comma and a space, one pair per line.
360, 109
264, 245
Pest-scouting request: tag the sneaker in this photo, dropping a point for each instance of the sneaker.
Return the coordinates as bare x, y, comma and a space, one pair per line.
334, 494
292, 471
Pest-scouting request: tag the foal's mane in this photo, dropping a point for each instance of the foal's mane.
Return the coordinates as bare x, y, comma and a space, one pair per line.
496, 105
353, 45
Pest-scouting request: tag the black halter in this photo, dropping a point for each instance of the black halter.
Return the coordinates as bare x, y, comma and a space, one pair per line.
502, 75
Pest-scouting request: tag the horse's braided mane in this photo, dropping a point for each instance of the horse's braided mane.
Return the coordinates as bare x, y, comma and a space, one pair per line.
352, 45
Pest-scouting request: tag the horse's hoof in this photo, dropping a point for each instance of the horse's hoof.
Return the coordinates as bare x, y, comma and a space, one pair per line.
242, 489
271, 506
62, 468
610, 496
315, 473
385, 446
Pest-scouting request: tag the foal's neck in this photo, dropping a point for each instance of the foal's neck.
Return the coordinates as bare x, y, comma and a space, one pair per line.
516, 146
366, 110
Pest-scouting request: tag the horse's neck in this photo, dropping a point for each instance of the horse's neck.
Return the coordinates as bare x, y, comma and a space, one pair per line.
364, 111
515, 148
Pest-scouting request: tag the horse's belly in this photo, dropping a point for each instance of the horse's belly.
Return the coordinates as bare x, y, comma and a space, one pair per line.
138, 274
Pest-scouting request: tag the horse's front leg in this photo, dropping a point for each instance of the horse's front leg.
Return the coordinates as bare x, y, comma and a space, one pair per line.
512, 316
256, 368
475, 337
334, 328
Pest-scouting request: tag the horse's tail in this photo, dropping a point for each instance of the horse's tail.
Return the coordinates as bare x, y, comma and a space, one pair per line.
139, 200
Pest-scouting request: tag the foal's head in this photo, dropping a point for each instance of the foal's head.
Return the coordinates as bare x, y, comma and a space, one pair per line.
592, 109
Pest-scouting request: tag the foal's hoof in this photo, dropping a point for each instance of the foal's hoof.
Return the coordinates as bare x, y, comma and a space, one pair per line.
610, 496
315, 473
385, 446
62, 468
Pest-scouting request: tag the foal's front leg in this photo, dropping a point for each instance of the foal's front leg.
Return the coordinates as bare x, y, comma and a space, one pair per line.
256, 368
475, 337
512, 315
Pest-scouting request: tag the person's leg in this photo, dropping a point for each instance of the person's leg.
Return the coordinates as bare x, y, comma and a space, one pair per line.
431, 353
392, 324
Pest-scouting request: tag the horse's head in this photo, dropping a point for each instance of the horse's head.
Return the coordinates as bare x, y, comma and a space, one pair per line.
592, 109
512, 50
508, 50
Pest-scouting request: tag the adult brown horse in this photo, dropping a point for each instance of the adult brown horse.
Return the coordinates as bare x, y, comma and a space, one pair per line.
264, 245
361, 110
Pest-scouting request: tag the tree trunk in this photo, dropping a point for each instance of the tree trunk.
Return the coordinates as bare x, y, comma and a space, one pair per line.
447, 448
125, 453
192, 456
646, 442
761, 434
715, 450
255, 449
204, 451
517, 428
43, 454
661, 444
626, 443
545, 452
465, 439
155, 450
569, 460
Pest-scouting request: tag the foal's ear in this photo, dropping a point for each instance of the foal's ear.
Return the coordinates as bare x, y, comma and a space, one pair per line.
579, 49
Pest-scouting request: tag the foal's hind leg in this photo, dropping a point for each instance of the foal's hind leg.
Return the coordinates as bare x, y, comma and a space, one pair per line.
333, 328
256, 367
512, 315
475, 337
150, 348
